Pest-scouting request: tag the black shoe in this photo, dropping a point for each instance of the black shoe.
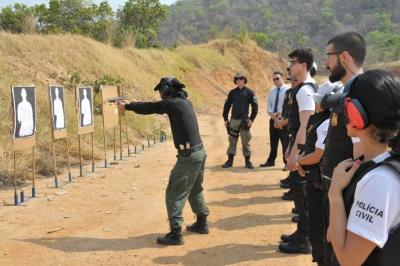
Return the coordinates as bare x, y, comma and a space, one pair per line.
284, 185
288, 195
200, 226
285, 180
296, 247
294, 211
229, 162
172, 238
291, 237
267, 164
295, 219
248, 163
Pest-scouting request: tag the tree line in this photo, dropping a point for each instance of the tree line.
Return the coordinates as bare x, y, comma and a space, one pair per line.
136, 23
277, 26
281, 26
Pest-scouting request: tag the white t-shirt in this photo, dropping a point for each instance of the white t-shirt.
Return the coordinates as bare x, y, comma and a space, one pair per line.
376, 209
322, 132
305, 97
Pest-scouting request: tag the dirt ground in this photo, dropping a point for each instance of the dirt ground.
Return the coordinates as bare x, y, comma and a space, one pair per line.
113, 216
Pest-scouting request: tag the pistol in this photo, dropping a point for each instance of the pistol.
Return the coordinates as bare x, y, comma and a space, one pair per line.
116, 99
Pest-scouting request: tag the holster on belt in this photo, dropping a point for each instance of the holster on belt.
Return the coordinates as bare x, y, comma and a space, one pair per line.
231, 132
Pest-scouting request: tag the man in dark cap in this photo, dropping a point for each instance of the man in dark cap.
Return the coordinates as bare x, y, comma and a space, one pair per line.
186, 178
240, 123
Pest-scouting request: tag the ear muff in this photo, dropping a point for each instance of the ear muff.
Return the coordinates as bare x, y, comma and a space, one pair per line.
355, 114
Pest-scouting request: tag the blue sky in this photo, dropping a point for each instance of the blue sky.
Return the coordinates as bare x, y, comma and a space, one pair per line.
114, 3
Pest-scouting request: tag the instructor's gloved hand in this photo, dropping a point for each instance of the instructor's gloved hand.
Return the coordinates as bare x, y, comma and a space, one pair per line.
226, 124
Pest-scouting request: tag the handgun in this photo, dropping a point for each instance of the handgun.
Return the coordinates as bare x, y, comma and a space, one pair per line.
116, 99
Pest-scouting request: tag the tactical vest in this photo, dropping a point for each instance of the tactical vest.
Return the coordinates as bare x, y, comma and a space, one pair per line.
338, 145
311, 135
293, 113
389, 255
285, 106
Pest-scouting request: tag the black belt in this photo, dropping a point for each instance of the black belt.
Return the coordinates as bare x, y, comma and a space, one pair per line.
191, 149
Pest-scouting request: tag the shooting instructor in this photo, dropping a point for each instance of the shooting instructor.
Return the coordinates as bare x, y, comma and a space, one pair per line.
186, 178
240, 123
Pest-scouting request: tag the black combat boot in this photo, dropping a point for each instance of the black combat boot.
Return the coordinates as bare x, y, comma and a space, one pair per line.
229, 162
248, 163
301, 245
200, 226
172, 238
290, 238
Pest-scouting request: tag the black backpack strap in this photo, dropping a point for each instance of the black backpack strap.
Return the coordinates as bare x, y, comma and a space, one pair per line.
393, 161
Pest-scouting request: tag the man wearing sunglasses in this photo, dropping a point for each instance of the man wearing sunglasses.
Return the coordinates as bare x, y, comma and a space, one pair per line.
275, 101
239, 99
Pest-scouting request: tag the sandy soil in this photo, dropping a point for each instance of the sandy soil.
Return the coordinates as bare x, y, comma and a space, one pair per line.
113, 216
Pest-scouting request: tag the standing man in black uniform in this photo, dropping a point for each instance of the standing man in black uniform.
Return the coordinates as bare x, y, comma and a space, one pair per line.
345, 57
309, 160
240, 123
302, 107
186, 178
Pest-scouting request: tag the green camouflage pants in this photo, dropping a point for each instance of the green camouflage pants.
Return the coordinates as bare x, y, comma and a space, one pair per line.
185, 183
245, 136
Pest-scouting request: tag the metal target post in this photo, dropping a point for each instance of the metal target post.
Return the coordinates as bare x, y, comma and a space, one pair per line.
80, 157
93, 164
15, 182
69, 161
105, 147
115, 147
55, 165
33, 173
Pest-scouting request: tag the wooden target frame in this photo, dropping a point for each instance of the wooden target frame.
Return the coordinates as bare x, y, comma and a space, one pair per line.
23, 142
59, 134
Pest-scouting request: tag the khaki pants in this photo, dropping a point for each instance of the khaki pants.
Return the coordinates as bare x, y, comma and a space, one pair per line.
245, 137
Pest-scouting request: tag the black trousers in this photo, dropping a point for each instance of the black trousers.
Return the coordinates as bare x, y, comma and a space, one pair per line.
298, 185
316, 233
276, 135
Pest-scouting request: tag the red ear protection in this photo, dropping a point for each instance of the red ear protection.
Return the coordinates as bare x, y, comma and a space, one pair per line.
355, 114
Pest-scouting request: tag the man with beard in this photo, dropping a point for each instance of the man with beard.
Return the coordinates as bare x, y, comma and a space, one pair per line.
345, 57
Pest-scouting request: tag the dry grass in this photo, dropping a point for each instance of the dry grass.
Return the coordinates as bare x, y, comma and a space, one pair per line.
41, 60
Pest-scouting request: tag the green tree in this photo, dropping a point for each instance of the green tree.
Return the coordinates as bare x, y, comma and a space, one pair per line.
17, 19
141, 19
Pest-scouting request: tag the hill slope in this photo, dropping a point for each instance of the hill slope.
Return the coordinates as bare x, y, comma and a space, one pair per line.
207, 71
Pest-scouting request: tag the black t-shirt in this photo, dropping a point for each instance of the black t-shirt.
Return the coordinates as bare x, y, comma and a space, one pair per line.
239, 100
181, 116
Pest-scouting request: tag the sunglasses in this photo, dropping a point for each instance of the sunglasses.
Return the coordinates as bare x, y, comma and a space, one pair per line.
276, 79
333, 53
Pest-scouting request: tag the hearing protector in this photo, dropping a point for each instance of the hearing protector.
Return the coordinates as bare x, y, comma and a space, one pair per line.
354, 112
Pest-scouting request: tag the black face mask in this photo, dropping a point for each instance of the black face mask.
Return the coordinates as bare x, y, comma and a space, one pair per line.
337, 73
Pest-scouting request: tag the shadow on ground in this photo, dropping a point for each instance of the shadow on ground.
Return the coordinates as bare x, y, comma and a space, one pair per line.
85, 244
224, 255
240, 188
233, 203
250, 220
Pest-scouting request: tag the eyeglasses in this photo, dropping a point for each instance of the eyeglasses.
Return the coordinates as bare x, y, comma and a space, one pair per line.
294, 62
332, 53
276, 79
